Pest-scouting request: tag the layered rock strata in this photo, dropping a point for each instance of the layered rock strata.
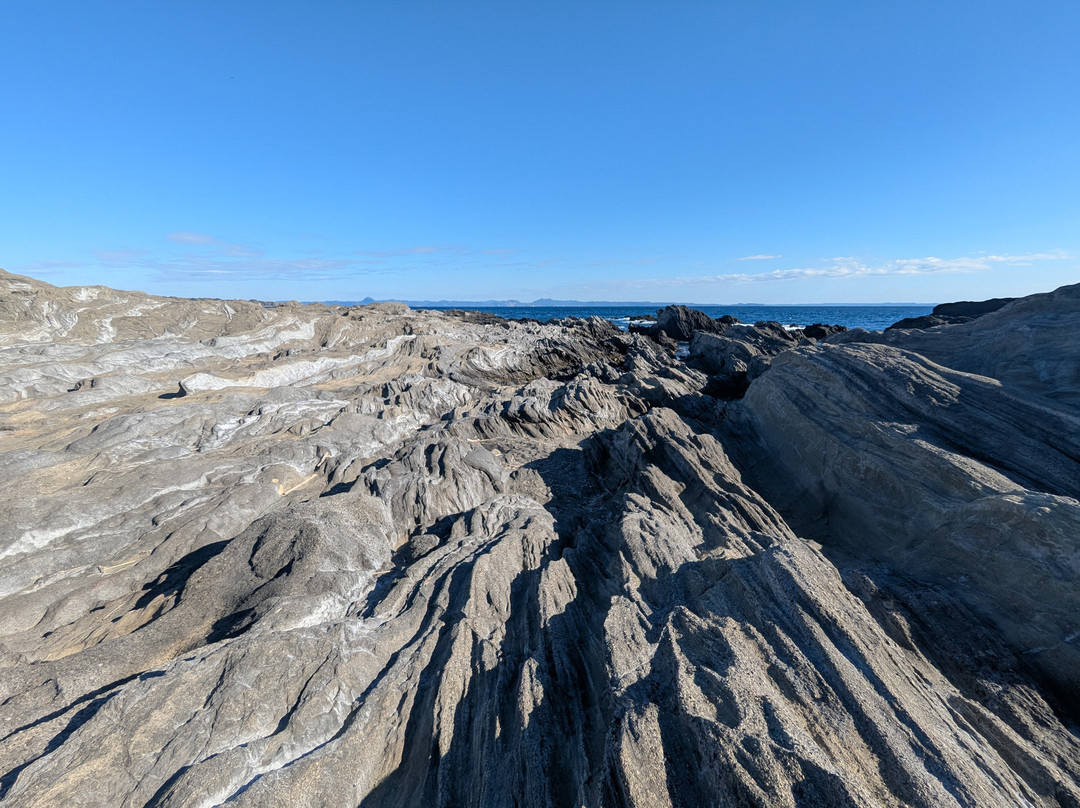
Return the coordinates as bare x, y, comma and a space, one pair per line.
312, 555
1029, 343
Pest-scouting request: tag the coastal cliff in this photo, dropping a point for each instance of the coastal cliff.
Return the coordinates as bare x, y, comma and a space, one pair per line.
281, 554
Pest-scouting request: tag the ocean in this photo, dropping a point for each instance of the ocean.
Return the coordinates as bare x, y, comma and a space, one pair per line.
872, 318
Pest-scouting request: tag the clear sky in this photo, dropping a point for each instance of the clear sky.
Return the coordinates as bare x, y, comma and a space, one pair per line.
723, 152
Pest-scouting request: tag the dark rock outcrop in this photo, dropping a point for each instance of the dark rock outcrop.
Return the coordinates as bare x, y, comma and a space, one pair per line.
926, 321
681, 323
952, 313
971, 308
821, 330
380, 557
1030, 343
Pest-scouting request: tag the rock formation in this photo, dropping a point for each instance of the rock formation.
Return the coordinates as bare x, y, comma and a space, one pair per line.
739, 355
1030, 343
949, 313
681, 323
265, 555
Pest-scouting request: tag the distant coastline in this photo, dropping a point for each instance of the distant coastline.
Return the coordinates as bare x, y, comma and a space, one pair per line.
598, 304
872, 317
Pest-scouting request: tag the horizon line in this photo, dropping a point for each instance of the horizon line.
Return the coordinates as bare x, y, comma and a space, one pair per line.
514, 304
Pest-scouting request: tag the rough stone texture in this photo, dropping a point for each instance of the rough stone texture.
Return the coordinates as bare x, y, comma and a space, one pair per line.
1032, 343
739, 355
312, 555
950, 477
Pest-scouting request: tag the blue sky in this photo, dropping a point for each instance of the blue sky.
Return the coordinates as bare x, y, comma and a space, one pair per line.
711, 152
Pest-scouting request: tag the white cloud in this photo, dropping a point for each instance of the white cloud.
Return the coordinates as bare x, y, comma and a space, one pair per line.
241, 251
420, 249
191, 238
224, 260
51, 267
849, 268
759, 257
207, 258
118, 256
252, 268
616, 262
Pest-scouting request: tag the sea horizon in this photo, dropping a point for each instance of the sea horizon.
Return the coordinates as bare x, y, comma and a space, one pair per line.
552, 303
872, 317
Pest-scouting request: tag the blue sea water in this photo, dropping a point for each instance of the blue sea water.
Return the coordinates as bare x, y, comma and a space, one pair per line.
872, 318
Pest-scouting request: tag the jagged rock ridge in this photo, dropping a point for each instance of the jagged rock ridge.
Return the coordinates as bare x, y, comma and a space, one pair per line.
373, 556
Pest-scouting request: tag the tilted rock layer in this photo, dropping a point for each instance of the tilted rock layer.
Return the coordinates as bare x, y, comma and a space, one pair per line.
313, 555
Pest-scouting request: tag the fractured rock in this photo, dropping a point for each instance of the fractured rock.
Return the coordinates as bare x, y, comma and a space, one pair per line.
739, 355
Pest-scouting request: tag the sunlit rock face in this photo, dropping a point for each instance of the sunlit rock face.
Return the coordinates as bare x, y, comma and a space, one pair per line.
313, 555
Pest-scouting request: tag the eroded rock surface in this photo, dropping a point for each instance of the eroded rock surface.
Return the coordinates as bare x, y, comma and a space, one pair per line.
312, 555
953, 478
739, 355
1032, 343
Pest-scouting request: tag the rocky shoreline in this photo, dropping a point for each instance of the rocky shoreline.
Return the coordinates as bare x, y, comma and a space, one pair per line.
319, 555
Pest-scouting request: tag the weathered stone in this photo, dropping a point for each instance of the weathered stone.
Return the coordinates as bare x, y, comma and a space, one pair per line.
733, 359
1030, 343
949, 477
379, 557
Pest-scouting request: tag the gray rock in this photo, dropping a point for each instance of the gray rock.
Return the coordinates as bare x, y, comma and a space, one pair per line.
1030, 343
949, 477
380, 557
739, 355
